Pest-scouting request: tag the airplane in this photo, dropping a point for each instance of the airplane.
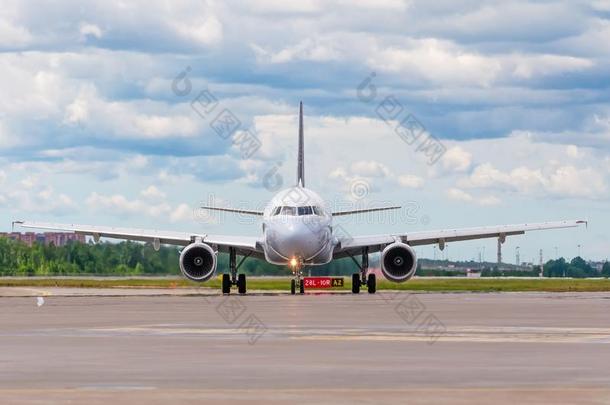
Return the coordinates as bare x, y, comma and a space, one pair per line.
297, 231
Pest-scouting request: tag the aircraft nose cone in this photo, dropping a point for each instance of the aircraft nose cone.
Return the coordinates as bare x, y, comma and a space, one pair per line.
296, 239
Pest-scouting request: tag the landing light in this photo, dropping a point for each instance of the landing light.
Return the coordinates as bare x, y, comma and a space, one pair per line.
293, 262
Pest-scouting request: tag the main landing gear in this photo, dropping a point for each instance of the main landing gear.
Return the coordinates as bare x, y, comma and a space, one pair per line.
232, 279
297, 280
361, 279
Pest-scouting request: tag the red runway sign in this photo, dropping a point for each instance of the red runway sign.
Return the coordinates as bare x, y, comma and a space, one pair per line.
323, 282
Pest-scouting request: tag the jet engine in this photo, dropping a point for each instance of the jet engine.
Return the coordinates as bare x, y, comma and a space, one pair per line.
198, 262
398, 262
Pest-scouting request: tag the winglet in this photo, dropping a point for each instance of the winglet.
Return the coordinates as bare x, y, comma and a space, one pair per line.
301, 156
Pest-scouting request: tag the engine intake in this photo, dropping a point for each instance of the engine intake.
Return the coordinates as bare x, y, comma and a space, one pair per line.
398, 262
198, 262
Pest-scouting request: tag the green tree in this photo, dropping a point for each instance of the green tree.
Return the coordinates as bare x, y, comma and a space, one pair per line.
555, 268
606, 270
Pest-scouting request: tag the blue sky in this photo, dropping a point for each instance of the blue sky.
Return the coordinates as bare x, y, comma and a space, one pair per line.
91, 130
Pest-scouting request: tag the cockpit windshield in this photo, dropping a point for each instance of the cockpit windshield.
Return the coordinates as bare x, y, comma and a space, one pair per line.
293, 211
305, 210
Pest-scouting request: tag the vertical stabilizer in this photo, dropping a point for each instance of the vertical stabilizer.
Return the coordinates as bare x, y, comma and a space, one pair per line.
301, 167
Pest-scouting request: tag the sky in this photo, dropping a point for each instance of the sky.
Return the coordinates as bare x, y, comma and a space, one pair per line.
465, 113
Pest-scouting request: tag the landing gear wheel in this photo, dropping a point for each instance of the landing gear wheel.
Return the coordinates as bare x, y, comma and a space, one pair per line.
293, 287
356, 283
371, 283
302, 287
241, 283
226, 284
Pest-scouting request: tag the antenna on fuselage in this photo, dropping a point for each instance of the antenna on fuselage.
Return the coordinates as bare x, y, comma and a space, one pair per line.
301, 156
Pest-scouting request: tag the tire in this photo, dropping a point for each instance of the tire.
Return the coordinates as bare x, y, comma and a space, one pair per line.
356, 283
371, 283
293, 287
226, 284
241, 283
302, 287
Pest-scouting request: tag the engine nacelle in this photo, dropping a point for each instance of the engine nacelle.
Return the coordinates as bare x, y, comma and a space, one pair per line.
198, 262
398, 262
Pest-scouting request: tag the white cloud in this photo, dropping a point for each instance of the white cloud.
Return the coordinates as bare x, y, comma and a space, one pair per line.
489, 200
375, 176
601, 5
42, 200
78, 111
182, 213
187, 214
369, 168
131, 119
29, 182
436, 61
457, 194
573, 152
87, 29
393, 5
445, 62
152, 205
410, 181
153, 193
204, 31
318, 50
528, 66
456, 159
575, 182
13, 36
560, 181
284, 7
120, 205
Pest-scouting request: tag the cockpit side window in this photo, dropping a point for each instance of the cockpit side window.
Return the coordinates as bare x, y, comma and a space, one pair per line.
288, 211
318, 211
276, 211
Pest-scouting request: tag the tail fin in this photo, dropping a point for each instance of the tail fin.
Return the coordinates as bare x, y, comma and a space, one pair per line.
301, 167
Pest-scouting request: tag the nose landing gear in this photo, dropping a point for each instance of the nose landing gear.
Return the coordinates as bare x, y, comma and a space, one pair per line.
297, 280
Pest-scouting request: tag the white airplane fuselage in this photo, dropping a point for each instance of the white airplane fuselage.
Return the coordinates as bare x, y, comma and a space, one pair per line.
297, 229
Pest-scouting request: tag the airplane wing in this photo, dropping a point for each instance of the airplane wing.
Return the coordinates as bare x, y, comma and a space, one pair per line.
349, 245
244, 244
362, 211
233, 210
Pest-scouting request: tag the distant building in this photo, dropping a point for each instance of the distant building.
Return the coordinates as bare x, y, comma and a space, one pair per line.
597, 265
56, 238
473, 273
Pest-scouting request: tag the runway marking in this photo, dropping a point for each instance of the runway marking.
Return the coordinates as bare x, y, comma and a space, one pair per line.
168, 331
484, 334
115, 387
30, 292
513, 334
247, 391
